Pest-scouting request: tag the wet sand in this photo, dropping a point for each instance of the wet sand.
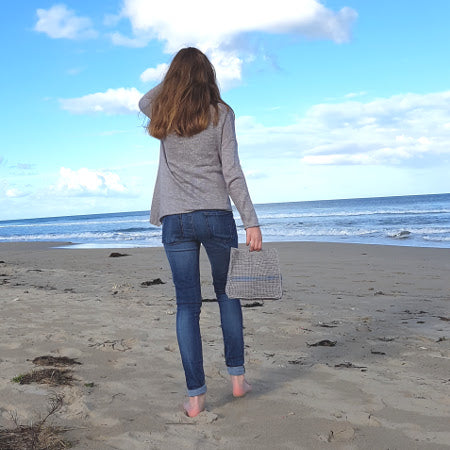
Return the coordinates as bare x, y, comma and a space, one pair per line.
382, 382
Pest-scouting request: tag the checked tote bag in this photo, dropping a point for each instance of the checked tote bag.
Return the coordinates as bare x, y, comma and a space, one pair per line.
254, 275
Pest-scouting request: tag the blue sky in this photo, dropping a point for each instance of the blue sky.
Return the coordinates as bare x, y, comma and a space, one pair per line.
333, 99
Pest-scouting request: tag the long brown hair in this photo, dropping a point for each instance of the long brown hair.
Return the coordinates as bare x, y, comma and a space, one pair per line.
189, 89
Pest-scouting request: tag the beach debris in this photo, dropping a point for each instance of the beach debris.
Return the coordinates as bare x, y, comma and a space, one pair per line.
49, 360
323, 343
120, 345
377, 352
296, 361
207, 300
442, 339
332, 324
2, 262
54, 377
38, 435
404, 234
379, 293
117, 255
152, 282
446, 319
407, 311
252, 305
387, 339
349, 365
47, 287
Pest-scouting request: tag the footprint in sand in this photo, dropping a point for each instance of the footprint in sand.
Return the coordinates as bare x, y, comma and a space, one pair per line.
180, 417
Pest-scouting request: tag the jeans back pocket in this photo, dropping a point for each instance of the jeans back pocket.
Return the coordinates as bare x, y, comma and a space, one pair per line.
172, 229
221, 225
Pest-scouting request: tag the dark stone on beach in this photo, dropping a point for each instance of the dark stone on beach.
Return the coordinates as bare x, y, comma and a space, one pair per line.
349, 365
117, 255
2, 262
387, 339
296, 361
332, 324
442, 339
252, 305
206, 300
446, 319
153, 282
376, 352
323, 343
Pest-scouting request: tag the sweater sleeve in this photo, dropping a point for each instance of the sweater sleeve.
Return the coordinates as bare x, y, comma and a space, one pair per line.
233, 174
145, 103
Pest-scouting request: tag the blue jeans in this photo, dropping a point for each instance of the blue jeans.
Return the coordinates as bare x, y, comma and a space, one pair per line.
182, 235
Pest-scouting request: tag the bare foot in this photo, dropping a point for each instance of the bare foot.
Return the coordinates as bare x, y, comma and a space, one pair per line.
195, 405
240, 385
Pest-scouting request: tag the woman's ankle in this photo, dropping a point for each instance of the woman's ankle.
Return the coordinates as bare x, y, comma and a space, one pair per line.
195, 405
240, 385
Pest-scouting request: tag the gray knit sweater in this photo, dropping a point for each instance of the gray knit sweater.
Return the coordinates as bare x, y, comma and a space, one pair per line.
200, 172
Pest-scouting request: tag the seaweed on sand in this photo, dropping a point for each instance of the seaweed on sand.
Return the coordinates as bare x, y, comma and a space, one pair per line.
38, 435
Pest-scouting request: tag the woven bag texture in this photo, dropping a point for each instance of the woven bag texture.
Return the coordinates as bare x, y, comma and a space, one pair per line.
254, 275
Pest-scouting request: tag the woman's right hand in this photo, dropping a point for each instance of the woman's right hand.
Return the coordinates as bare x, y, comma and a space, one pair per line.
254, 238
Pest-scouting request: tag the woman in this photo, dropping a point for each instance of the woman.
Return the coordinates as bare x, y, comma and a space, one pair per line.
199, 170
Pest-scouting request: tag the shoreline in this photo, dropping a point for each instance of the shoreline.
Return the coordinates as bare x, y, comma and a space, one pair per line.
65, 245
383, 384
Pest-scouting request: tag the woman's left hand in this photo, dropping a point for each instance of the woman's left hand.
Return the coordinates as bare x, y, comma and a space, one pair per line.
254, 238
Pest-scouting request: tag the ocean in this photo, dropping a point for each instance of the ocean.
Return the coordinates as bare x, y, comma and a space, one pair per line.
415, 220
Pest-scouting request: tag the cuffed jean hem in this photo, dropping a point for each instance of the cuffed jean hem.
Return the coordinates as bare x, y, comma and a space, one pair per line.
238, 370
198, 391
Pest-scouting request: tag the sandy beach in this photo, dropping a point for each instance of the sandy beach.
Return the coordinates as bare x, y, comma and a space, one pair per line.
355, 355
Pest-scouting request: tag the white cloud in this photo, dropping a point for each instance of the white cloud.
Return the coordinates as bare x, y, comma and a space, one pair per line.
155, 73
355, 94
89, 182
60, 22
403, 129
24, 166
13, 193
196, 23
134, 42
255, 174
113, 101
